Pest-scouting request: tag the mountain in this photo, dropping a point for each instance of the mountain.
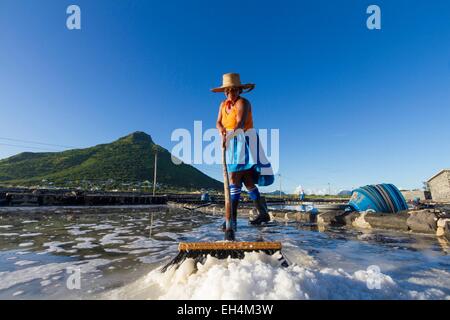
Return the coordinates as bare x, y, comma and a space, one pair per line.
276, 192
346, 193
129, 159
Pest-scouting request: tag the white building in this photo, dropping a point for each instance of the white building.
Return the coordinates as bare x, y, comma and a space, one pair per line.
439, 185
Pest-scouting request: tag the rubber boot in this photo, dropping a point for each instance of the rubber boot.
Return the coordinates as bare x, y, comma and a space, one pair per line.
263, 214
234, 207
229, 235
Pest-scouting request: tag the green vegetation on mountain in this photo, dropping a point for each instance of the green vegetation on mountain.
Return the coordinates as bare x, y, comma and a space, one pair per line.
127, 160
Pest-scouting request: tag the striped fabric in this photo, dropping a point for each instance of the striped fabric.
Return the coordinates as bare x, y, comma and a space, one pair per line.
235, 192
245, 152
254, 193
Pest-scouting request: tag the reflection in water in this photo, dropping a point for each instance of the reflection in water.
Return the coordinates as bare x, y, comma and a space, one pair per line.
112, 251
305, 207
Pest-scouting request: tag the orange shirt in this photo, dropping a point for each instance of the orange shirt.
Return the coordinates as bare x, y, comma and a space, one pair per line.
229, 120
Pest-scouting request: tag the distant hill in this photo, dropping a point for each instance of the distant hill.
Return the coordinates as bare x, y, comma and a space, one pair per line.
128, 159
344, 193
276, 192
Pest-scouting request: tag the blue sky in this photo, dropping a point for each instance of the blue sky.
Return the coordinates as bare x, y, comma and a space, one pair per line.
353, 106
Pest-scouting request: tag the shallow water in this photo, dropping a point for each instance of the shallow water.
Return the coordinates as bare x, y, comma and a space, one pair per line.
118, 256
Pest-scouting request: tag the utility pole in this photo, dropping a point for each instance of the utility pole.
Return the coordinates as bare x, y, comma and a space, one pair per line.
279, 175
154, 173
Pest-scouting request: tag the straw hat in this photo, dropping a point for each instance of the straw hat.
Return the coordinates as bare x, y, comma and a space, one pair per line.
233, 80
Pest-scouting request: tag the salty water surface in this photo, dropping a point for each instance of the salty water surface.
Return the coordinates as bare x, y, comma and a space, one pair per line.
118, 255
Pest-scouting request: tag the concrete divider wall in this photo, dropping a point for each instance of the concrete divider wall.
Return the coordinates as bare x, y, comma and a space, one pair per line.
392, 221
446, 230
428, 221
74, 199
2, 199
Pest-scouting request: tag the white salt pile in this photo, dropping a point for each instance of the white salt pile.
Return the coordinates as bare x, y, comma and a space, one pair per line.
259, 276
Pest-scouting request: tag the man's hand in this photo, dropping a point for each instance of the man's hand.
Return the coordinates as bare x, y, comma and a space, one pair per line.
224, 138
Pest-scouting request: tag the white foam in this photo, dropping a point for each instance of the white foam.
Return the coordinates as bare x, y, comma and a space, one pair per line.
113, 250
55, 246
43, 272
29, 221
26, 244
92, 256
77, 232
111, 238
170, 235
259, 276
45, 283
139, 251
141, 243
102, 227
116, 238
25, 235
432, 277
24, 262
85, 243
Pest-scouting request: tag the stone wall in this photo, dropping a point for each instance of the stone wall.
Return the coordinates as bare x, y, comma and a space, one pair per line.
411, 195
425, 221
440, 187
36, 199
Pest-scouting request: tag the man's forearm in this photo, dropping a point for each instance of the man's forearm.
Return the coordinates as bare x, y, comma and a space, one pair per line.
219, 127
